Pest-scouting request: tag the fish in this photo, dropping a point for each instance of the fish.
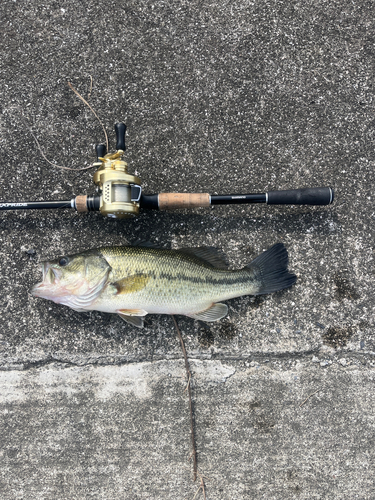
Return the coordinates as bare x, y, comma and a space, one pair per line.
133, 281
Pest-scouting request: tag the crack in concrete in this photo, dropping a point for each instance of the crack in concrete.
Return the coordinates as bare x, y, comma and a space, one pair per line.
257, 357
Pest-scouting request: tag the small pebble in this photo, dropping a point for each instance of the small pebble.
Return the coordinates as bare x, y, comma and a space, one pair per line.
325, 363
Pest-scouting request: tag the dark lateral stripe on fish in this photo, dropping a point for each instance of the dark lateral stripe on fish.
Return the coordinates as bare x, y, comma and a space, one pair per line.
228, 280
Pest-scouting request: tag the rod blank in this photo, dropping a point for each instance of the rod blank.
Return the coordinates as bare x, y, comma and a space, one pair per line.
32, 205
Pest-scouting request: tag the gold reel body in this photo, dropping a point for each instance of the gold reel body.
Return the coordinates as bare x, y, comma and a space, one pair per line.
120, 191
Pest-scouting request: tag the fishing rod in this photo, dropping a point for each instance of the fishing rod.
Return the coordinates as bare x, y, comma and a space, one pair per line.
119, 194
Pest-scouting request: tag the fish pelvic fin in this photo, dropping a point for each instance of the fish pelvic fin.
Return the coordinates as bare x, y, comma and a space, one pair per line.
131, 284
271, 270
213, 313
134, 317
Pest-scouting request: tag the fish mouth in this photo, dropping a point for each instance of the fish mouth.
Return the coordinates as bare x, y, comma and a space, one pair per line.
49, 275
48, 279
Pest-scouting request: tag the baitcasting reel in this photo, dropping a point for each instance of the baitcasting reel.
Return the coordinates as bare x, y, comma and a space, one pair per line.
119, 194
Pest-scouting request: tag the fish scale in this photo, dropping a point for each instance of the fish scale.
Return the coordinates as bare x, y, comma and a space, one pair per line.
173, 272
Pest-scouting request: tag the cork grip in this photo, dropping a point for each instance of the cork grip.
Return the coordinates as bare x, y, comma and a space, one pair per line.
81, 205
168, 201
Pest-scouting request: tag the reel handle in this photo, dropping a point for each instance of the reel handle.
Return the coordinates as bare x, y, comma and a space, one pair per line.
120, 129
101, 150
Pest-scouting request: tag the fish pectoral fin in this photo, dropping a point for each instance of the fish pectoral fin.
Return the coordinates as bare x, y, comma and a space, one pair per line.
131, 284
213, 313
134, 317
132, 312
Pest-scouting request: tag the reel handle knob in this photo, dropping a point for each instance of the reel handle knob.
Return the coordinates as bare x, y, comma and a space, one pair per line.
101, 150
120, 129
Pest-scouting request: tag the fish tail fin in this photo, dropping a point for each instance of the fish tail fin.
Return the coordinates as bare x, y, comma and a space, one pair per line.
271, 270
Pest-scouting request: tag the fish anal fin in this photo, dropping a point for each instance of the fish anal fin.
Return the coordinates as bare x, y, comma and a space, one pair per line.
131, 284
210, 255
213, 313
134, 317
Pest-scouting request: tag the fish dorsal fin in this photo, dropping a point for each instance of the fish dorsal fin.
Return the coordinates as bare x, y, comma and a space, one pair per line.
210, 255
144, 244
131, 284
213, 313
134, 317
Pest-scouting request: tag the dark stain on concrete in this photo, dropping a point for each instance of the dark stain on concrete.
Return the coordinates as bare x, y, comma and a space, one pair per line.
338, 336
256, 302
344, 289
264, 423
227, 330
206, 336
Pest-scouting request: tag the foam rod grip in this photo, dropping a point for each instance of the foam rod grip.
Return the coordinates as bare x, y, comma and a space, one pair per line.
307, 196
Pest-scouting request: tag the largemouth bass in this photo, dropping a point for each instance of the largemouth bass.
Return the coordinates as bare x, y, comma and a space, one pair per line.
135, 281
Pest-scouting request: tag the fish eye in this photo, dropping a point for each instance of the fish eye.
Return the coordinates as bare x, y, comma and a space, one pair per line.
63, 261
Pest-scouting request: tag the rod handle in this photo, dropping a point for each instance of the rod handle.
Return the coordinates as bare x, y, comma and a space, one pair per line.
307, 196
169, 201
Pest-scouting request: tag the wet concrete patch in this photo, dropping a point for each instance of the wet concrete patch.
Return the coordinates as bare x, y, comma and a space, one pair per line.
338, 336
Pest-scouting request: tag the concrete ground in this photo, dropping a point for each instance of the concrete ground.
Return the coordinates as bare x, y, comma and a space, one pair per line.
218, 97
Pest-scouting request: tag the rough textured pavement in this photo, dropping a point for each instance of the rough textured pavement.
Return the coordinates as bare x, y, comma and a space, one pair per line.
219, 97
